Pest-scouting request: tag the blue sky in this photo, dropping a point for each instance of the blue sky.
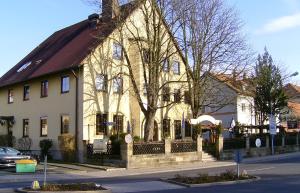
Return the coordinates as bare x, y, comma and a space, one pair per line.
26, 23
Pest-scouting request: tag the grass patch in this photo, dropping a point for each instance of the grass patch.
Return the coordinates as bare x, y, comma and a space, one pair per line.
205, 178
71, 187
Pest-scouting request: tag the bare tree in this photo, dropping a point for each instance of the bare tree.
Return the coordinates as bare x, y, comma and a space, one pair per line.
148, 52
209, 34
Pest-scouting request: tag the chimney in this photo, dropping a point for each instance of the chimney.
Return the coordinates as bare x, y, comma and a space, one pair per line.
110, 9
93, 20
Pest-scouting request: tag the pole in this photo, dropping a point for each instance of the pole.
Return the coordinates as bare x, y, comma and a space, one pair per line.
238, 170
272, 143
45, 170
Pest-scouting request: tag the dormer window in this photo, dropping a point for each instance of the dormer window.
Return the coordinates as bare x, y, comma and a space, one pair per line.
24, 66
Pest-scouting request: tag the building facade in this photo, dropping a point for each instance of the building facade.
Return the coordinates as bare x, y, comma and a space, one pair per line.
76, 82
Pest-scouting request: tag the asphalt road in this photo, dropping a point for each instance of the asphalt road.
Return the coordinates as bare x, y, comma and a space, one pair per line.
277, 176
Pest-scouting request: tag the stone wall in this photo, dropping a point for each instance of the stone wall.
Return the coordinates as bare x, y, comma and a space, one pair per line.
157, 160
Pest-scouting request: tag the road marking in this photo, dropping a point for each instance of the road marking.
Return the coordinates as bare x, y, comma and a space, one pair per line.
260, 169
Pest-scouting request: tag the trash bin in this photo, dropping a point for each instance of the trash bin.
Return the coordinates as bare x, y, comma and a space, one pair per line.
25, 166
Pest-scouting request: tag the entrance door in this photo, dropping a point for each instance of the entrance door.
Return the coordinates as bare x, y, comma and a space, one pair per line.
177, 127
155, 134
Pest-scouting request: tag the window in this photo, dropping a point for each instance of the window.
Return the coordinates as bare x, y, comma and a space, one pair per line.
44, 127
65, 124
65, 84
292, 124
25, 127
117, 51
24, 66
187, 97
166, 65
118, 85
177, 96
10, 96
187, 132
146, 56
26, 93
101, 82
243, 107
145, 89
177, 127
44, 88
101, 124
176, 67
166, 127
118, 120
166, 94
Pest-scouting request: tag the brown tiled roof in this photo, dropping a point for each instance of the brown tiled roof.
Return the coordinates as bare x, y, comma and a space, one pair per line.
63, 50
235, 84
295, 107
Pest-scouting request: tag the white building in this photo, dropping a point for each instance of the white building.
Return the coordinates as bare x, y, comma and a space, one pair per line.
234, 101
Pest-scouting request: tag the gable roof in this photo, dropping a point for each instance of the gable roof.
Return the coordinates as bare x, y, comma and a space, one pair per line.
240, 86
295, 108
65, 49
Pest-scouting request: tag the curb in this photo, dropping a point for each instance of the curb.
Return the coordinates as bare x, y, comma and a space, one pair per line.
256, 178
20, 190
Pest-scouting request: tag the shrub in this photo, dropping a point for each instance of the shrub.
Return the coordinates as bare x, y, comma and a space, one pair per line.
45, 146
24, 143
66, 144
7, 140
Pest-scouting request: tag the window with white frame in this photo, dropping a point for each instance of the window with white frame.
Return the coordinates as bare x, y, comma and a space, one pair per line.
117, 51
65, 124
44, 126
166, 65
10, 96
101, 82
65, 84
118, 85
176, 67
243, 107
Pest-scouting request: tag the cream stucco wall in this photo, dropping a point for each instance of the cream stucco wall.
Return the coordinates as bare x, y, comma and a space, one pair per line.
53, 106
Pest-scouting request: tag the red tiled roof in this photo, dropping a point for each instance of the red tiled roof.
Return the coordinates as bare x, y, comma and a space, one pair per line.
235, 84
63, 50
295, 107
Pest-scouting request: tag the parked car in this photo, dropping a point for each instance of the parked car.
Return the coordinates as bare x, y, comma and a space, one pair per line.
9, 155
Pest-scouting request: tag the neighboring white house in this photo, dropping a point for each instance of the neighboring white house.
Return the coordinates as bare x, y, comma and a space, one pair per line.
234, 103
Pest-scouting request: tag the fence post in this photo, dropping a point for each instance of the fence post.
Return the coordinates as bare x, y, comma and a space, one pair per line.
282, 141
297, 139
167, 146
199, 143
126, 153
267, 141
247, 142
220, 146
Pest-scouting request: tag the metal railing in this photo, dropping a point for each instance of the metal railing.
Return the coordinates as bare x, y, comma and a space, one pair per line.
183, 146
148, 148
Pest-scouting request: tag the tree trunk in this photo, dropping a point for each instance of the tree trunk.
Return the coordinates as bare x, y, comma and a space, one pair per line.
149, 126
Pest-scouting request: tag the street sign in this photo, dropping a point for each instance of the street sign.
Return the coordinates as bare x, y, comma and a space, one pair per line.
238, 156
258, 142
128, 138
272, 125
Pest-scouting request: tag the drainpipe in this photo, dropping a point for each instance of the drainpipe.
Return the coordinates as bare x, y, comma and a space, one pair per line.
76, 117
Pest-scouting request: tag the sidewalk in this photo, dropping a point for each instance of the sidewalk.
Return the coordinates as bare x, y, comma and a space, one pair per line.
74, 171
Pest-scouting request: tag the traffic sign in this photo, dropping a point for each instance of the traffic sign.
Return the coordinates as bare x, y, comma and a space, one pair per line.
272, 125
238, 156
258, 142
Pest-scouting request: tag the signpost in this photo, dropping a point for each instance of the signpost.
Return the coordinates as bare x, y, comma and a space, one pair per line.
238, 159
272, 130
